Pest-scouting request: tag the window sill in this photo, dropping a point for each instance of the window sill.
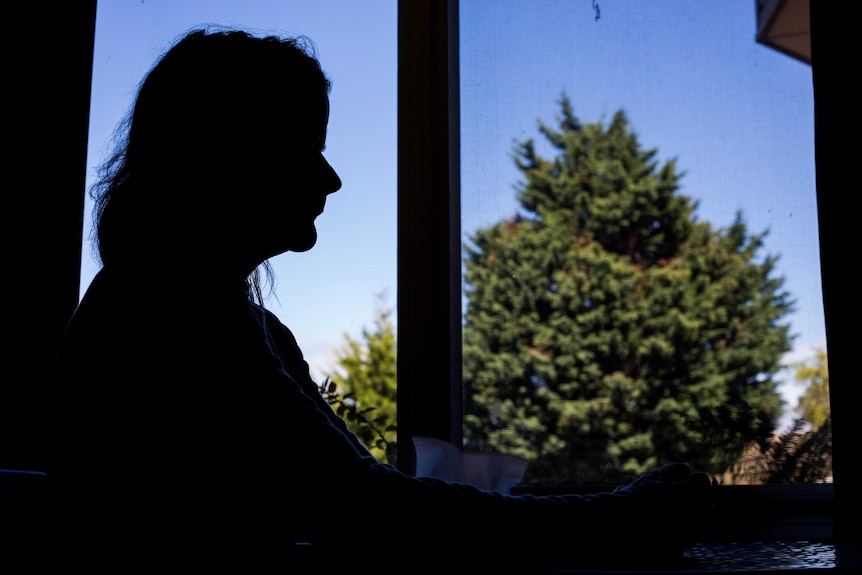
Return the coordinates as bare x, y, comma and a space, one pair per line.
779, 512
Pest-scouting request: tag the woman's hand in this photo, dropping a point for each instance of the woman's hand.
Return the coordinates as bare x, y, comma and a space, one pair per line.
671, 478
676, 510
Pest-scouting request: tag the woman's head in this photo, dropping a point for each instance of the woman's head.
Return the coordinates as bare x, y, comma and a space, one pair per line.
221, 151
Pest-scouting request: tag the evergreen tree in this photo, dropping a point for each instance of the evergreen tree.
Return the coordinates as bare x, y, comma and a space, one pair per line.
607, 330
363, 387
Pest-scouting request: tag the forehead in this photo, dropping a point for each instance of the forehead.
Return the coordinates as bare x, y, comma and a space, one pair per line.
316, 119
295, 121
324, 121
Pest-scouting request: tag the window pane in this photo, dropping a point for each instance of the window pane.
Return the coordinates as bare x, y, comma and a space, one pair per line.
335, 289
640, 240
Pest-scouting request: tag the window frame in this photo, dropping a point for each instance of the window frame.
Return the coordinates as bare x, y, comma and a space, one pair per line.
429, 226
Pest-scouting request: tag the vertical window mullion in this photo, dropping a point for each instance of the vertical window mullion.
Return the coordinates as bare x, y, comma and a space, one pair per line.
429, 280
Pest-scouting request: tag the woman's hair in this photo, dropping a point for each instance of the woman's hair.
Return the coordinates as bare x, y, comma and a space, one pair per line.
216, 99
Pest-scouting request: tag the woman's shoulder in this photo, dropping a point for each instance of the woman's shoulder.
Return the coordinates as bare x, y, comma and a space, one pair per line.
280, 337
125, 316
271, 322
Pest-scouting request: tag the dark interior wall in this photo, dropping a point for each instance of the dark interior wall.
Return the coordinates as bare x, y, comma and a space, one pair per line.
48, 55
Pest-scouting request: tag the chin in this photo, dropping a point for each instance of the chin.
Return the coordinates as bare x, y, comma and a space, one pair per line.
304, 244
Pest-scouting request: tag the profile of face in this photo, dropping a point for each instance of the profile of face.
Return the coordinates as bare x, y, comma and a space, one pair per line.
289, 186
228, 131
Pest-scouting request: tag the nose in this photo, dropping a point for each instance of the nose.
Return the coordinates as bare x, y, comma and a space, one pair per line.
333, 182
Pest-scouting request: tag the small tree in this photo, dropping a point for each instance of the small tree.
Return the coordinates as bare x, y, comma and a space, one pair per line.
362, 389
803, 452
813, 404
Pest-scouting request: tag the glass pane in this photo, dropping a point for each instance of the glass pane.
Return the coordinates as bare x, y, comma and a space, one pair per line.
641, 278
343, 285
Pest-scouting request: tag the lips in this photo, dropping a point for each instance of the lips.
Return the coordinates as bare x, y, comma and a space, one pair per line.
320, 210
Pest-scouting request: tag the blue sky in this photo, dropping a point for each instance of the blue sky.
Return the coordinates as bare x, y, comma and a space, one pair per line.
737, 116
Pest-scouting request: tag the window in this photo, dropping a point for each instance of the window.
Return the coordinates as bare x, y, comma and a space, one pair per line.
429, 180
735, 120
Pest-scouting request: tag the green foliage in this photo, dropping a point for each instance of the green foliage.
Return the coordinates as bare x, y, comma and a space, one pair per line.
607, 330
797, 455
794, 456
365, 396
814, 404
377, 433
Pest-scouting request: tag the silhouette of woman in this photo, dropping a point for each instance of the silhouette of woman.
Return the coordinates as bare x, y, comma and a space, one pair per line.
186, 424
